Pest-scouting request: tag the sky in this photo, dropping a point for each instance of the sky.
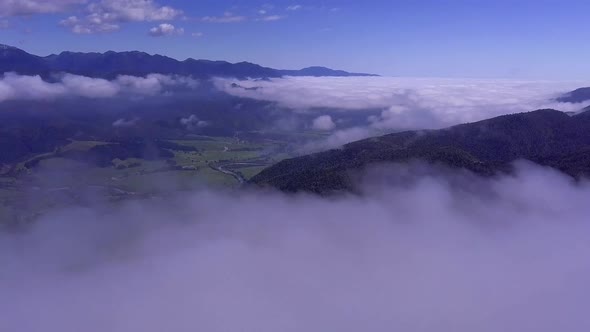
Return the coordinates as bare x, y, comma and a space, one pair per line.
523, 39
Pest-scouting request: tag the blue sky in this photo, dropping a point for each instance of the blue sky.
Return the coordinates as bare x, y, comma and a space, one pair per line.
532, 39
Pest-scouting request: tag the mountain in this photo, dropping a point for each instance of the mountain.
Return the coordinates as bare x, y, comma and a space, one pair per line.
546, 137
320, 72
14, 59
577, 96
111, 64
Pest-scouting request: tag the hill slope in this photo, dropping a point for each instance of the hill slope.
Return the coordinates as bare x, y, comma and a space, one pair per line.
547, 137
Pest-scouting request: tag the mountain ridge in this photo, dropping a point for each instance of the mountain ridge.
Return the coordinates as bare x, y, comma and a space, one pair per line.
137, 63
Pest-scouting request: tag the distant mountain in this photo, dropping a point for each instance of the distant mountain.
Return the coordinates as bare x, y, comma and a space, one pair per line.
577, 96
112, 64
14, 59
546, 137
320, 72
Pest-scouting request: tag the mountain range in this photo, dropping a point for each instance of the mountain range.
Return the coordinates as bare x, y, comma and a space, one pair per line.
112, 64
546, 137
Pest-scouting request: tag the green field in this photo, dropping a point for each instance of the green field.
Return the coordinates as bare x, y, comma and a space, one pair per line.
55, 181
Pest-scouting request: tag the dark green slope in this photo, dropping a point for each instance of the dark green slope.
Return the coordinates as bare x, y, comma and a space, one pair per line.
547, 137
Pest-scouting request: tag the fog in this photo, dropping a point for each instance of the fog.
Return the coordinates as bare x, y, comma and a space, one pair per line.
397, 103
448, 100
421, 250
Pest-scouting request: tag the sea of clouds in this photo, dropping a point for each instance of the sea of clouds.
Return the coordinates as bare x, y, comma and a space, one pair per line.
389, 104
438, 253
396, 103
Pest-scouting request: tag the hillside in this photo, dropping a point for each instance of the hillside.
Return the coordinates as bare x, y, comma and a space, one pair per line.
547, 137
111, 64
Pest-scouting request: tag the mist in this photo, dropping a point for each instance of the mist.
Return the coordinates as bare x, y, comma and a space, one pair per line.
438, 251
396, 103
23, 87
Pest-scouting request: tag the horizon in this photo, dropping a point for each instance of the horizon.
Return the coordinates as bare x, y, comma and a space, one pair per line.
460, 39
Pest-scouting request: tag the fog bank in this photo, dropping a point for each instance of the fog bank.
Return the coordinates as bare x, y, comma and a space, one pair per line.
432, 253
398, 103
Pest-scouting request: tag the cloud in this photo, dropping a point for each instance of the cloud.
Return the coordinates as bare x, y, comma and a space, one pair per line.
108, 15
323, 122
394, 104
426, 256
122, 123
271, 18
17, 87
337, 139
408, 102
228, 17
32, 7
85, 27
165, 29
197, 34
193, 122
294, 7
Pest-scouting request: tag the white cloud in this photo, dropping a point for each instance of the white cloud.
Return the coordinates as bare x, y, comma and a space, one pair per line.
17, 87
271, 18
408, 102
427, 256
323, 122
197, 34
107, 15
32, 7
165, 29
337, 139
393, 104
294, 7
228, 17
89, 87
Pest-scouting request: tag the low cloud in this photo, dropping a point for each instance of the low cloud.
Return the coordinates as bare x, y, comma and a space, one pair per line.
193, 122
123, 123
323, 122
428, 255
394, 104
337, 139
20, 87
408, 102
166, 29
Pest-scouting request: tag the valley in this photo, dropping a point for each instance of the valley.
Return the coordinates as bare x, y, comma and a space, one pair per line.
70, 176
